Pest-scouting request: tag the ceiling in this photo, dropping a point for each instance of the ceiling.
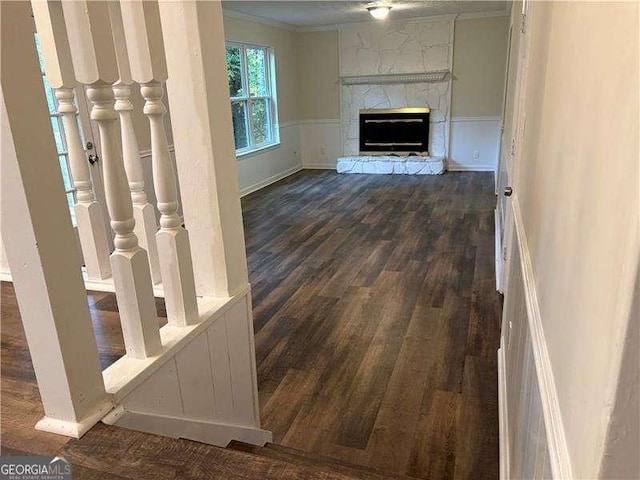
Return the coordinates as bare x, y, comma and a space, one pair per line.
314, 13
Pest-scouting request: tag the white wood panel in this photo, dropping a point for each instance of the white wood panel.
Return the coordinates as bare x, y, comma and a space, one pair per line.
196, 380
221, 372
240, 358
526, 447
159, 394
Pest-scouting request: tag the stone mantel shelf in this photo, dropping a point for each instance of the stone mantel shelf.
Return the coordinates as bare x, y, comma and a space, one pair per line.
421, 77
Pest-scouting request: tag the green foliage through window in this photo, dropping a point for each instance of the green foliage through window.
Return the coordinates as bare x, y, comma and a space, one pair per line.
250, 90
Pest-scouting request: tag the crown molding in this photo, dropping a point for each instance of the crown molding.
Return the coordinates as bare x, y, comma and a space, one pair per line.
340, 26
255, 19
337, 26
421, 77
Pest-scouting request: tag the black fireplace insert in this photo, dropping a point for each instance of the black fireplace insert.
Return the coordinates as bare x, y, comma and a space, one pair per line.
400, 131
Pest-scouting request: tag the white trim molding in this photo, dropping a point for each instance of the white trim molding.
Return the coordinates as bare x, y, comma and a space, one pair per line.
475, 119
268, 181
503, 416
557, 442
418, 77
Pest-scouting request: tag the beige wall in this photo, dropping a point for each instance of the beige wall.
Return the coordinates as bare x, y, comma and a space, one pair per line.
577, 185
285, 45
318, 74
479, 60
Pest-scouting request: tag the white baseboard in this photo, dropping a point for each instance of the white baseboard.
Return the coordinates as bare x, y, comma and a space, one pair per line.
319, 166
268, 181
475, 168
559, 457
211, 433
503, 417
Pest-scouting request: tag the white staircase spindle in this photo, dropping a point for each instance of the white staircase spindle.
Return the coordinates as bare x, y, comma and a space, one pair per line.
91, 225
93, 53
131, 275
92, 228
143, 212
173, 240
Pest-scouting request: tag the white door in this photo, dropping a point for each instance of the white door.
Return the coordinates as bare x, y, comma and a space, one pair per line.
511, 129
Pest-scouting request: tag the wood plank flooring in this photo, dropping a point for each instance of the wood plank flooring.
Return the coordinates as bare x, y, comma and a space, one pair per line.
377, 325
377, 321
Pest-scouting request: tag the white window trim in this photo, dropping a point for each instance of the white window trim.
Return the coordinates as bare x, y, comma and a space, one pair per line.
272, 100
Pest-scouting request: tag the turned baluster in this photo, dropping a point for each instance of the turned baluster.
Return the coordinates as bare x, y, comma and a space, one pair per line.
92, 228
145, 48
173, 239
94, 61
131, 274
143, 212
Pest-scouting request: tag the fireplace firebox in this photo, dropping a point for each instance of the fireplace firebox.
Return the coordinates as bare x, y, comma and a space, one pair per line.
401, 131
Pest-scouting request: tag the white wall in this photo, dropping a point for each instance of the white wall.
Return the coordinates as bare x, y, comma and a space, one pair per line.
475, 143
258, 170
479, 61
577, 187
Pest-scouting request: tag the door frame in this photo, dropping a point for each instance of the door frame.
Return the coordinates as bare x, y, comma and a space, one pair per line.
508, 163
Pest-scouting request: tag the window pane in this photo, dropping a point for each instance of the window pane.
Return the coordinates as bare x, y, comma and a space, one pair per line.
260, 121
239, 115
257, 68
39, 50
234, 69
57, 133
64, 168
71, 202
48, 91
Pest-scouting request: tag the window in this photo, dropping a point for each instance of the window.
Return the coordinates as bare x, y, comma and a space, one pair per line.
58, 133
251, 88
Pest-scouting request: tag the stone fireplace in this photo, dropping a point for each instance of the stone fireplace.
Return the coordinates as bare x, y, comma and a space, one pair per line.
396, 65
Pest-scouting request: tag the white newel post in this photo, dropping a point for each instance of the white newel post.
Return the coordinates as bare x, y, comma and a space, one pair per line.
207, 168
93, 55
143, 212
91, 226
203, 138
148, 67
39, 241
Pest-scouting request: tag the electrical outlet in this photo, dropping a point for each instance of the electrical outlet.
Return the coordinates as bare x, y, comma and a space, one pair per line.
476, 154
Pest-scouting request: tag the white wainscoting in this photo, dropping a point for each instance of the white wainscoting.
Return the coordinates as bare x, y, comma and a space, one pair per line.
320, 143
470, 135
262, 168
535, 446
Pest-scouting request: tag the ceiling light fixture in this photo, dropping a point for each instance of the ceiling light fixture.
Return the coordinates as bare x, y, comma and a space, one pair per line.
379, 12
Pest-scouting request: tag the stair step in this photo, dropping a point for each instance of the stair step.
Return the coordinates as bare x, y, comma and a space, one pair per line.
327, 465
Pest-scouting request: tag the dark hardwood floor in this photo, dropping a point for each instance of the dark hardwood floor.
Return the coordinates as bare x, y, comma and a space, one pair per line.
377, 320
377, 325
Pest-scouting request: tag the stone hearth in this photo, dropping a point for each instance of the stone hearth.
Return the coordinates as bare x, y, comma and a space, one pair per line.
390, 164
